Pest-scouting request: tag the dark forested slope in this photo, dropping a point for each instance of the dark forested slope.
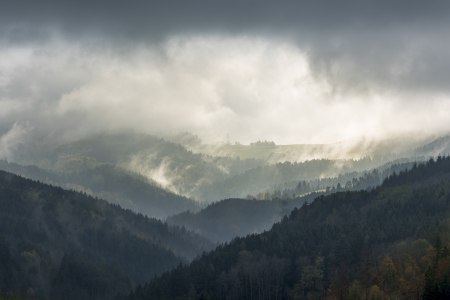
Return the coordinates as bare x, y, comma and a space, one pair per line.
224, 220
114, 184
65, 245
230, 218
388, 243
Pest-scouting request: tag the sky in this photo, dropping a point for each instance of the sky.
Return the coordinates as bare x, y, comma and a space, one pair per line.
287, 71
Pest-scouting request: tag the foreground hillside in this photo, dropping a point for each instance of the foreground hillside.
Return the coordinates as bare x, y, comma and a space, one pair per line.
59, 244
388, 243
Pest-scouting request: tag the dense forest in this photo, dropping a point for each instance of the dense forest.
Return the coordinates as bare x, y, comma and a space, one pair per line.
387, 243
112, 183
58, 244
230, 218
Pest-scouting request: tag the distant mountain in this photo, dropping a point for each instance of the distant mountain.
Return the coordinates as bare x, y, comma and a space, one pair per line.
381, 150
353, 181
58, 244
209, 173
389, 243
114, 184
227, 219
168, 164
262, 178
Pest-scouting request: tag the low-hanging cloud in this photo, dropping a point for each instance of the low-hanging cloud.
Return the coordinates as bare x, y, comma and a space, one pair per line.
244, 87
289, 71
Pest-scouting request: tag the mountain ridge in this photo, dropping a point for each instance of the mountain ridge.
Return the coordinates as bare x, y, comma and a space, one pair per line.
340, 244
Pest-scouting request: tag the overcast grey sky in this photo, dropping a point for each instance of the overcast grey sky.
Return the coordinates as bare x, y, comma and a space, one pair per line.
289, 71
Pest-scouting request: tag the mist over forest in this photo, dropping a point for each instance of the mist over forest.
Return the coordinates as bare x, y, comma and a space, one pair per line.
224, 150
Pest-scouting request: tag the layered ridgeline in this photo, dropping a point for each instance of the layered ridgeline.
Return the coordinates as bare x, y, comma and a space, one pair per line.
224, 220
164, 164
353, 181
387, 243
255, 180
138, 193
206, 177
114, 184
136, 171
381, 149
58, 244
317, 166
153, 176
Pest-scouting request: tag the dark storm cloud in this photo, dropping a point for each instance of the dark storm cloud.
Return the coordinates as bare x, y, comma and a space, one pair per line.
138, 19
354, 43
277, 68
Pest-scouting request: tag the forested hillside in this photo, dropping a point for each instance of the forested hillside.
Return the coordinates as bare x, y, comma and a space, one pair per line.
224, 220
114, 184
58, 244
388, 243
230, 218
353, 181
108, 165
259, 179
168, 164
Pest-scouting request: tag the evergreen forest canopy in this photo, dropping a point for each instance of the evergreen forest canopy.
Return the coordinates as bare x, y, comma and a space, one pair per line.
116, 185
58, 244
82, 247
224, 220
388, 243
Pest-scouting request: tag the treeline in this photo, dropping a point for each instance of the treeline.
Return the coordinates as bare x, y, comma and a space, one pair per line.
387, 243
353, 181
255, 180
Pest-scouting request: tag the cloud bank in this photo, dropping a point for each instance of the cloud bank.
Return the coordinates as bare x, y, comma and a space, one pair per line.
288, 71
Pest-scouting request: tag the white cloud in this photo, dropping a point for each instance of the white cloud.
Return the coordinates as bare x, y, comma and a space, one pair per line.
250, 88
